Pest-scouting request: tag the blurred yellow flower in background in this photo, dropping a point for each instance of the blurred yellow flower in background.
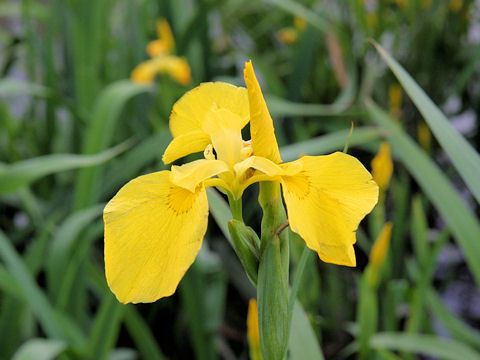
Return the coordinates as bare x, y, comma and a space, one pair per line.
382, 166
395, 100
155, 224
380, 247
289, 35
455, 5
162, 62
253, 335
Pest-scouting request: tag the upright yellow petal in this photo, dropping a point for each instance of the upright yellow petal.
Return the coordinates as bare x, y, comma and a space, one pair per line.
253, 333
184, 145
190, 175
382, 166
164, 33
326, 201
153, 232
262, 132
189, 112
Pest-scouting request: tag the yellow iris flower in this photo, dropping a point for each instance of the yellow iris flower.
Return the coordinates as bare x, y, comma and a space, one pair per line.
162, 61
155, 224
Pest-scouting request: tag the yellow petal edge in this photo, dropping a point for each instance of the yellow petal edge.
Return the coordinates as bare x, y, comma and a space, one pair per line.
153, 232
326, 201
262, 132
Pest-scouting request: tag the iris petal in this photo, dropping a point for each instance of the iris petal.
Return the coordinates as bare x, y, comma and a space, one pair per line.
190, 175
184, 145
189, 113
153, 232
262, 132
326, 202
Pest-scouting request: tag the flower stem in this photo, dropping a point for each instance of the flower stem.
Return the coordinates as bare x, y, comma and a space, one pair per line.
235, 207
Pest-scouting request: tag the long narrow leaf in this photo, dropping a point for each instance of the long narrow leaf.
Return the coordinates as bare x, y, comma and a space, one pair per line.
22, 173
465, 227
31, 292
424, 344
464, 157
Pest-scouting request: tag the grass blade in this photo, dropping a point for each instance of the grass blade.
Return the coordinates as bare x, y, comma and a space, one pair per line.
22, 173
464, 157
465, 227
303, 343
424, 344
40, 349
31, 292
334, 141
99, 135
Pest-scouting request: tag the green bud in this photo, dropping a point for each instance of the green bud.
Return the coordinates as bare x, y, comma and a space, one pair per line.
246, 244
272, 293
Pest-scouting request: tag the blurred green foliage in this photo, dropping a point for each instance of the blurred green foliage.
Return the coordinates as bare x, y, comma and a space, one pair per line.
74, 129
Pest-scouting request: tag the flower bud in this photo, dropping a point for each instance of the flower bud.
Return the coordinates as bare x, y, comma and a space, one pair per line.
246, 244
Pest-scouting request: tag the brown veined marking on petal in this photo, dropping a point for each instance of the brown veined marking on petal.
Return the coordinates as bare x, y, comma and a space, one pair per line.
181, 200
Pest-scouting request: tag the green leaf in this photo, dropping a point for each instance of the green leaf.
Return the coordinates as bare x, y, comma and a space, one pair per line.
297, 9
100, 131
334, 141
456, 327
464, 157
424, 344
22, 173
303, 343
141, 335
464, 225
31, 292
12, 88
105, 327
63, 245
40, 349
220, 211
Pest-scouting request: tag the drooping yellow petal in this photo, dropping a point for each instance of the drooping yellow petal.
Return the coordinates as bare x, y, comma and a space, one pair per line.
184, 145
326, 201
144, 73
190, 175
189, 112
262, 132
174, 66
153, 232
253, 334
382, 166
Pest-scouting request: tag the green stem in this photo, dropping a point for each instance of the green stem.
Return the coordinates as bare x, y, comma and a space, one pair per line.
235, 207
